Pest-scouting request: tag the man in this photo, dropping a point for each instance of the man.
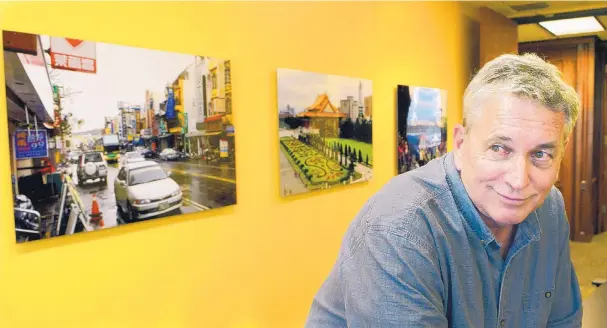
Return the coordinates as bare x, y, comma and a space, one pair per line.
478, 237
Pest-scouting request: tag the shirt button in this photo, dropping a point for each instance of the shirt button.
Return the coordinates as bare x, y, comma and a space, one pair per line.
548, 294
502, 322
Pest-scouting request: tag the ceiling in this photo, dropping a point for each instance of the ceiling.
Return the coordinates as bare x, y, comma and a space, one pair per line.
525, 11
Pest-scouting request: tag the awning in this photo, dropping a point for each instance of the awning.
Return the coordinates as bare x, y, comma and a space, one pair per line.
194, 134
213, 118
215, 133
48, 125
27, 85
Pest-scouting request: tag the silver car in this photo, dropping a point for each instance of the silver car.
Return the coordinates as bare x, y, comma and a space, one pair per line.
144, 189
91, 166
131, 157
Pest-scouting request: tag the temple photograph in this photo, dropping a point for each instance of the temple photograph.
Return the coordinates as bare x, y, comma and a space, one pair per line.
324, 131
422, 126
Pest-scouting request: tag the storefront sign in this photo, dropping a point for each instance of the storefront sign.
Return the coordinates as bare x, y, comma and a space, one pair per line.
73, 55
213, 126
123, 125
170, 105
58, 142
184, 123
32, 144
223, 148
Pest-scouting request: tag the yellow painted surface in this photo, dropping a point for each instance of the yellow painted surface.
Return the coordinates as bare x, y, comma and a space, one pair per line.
259, 263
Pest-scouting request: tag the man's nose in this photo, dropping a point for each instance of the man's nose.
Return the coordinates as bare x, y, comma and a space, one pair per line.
518, 173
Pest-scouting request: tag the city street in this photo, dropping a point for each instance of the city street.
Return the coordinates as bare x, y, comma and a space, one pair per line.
78, 114
203, 186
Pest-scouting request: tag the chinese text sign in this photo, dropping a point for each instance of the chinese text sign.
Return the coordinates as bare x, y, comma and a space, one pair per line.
32, 144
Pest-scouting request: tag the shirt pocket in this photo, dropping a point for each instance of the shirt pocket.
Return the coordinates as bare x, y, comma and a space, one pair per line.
537, 306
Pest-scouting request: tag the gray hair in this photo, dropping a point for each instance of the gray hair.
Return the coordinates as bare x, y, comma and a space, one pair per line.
524, 76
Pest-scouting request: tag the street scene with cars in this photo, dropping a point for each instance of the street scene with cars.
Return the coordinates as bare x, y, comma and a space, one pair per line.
133, 135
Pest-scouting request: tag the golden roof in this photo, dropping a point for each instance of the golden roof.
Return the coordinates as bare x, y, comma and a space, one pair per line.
322, 107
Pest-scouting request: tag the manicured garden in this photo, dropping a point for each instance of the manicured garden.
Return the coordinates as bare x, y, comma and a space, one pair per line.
311, 164
366, 149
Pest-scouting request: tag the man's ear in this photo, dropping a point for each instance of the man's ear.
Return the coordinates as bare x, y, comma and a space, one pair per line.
459, 135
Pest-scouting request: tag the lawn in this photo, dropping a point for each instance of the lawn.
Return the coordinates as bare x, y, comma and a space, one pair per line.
365, 148
312, 165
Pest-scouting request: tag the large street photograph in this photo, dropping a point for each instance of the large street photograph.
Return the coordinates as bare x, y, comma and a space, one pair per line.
103, 135
325, 131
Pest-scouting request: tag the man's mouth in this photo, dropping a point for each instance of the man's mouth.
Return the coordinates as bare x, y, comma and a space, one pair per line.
514, 200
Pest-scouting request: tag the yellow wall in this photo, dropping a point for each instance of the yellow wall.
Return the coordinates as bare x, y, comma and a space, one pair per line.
259, 263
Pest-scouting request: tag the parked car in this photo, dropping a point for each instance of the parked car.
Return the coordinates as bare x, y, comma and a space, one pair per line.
148, 153
73, 156
170, 154
144, 189
91, 166
131, 157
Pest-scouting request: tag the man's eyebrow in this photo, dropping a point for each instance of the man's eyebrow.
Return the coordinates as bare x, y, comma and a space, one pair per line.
549, 145
500, 138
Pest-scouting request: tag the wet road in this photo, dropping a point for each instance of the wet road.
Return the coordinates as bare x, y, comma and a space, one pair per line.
204, 187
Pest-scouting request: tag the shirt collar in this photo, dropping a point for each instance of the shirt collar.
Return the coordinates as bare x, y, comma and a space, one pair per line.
530, 225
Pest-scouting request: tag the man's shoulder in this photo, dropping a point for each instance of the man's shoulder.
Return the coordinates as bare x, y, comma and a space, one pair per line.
400, 213
400, 204
410, 189
552, 215
554, 205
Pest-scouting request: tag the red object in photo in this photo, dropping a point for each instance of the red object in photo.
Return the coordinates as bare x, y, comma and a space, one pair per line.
95, 213
47, 167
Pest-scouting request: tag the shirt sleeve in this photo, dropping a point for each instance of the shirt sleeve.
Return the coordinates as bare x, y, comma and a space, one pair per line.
392, 279
567, 305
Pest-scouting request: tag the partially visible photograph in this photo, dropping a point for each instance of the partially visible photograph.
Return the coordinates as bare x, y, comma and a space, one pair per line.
422, 126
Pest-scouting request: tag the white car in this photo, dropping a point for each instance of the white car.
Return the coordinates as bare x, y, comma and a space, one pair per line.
144, 189
131, 157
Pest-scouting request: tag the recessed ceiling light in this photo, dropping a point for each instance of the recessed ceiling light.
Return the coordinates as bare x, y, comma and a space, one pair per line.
573, 26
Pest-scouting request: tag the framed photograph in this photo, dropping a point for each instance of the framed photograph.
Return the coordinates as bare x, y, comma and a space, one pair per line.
325, 131
103, 135
422, 126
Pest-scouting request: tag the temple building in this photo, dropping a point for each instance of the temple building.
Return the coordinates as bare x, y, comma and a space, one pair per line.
323, 117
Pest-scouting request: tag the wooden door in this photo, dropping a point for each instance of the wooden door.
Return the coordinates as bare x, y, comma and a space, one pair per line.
578, 176
566, 61
601, 101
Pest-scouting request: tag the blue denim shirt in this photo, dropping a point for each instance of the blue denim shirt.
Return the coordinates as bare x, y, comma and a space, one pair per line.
419, 255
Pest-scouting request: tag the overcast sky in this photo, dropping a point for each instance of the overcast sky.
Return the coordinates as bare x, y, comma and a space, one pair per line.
123, 74
426, 102
299, 89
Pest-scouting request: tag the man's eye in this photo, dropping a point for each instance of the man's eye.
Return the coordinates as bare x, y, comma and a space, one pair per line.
497, 148
541, 155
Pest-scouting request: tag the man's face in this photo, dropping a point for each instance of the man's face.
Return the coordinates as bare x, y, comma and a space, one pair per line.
510, 157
